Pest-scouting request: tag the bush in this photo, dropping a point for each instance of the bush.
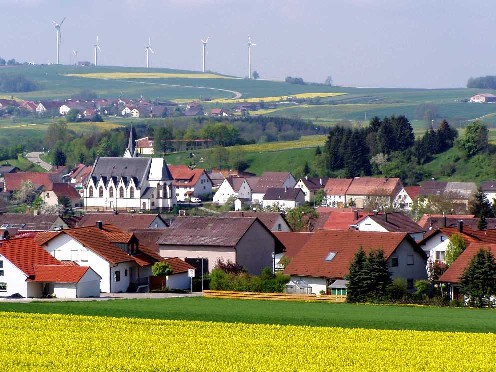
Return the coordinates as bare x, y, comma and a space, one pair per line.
243, 282
397, 289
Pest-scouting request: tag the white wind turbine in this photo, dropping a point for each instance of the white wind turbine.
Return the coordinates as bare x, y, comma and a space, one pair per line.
250, 44
59, 36
204, 42
148, 49
97, 49
75, 53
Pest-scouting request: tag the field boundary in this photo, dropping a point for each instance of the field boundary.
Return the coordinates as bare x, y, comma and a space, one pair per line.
274, 296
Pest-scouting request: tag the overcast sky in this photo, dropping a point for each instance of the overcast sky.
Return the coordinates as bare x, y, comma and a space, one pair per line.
374, 43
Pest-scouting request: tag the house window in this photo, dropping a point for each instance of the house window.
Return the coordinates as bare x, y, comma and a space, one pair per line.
153, 204
409, 283
279, 227
117, 276
3, 287
111, 192
84, 255
90, 191
100, 192
440, 255
394, 261
131, 192
442, 238
121, 192
1, 272
409, 259
1, 264
125, 272
47, 195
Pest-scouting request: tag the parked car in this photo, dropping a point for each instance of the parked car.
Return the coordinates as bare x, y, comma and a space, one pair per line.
194, 199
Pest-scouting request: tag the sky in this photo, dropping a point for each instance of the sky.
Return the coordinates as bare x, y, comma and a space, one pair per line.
363, 43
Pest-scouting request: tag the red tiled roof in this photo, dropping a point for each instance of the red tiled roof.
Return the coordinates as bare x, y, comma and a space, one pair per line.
337, 186
374, 186
144, 142
177, 265
59, 273
44, 236
26, 254
457, 268
65, 189
468, 235
341, 219
13, 181
123, 221
149, 238
412, 191
311, 259
184, 176
270, 179
293, 241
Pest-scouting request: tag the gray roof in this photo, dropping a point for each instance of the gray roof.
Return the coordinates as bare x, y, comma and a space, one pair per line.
148, 192
27, 222
396, 222
125, 168
207, 231
281, 193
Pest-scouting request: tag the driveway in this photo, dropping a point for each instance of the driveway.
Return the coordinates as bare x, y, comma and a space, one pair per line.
34, 157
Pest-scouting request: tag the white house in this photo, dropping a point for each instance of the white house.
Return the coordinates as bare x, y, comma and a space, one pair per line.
489, 190
335, 190
268, 180
190, 182
283, 198
27, 269
390, 222
310, 185
233, 187
483, 98
113, 254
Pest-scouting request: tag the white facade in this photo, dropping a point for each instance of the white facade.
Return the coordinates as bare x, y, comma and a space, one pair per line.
403, 201
284, 204
224, 192
435, 247
13, 279
64, 110
336, 201
368, 224
202, 187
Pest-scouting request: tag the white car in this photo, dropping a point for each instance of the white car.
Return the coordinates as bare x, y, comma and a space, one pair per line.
195, 200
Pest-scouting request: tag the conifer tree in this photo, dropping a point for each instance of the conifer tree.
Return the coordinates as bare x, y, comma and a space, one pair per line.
478, 281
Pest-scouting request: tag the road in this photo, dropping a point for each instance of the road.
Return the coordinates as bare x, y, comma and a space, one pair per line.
34, 157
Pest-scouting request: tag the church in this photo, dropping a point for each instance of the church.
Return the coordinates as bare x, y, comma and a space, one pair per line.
129, 183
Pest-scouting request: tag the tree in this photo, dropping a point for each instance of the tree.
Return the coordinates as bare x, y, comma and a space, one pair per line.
26, 193
478, 281
319, 197
455, 247
328, 81
161, 269
475, 139
301, 218
59, 158
162, 138
482, 223
479, 206
255, 75
357, 278
294, 80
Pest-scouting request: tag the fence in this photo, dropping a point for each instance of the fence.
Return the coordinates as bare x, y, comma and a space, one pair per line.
274, 296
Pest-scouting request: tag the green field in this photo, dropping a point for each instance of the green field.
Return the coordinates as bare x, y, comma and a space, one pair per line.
275, 312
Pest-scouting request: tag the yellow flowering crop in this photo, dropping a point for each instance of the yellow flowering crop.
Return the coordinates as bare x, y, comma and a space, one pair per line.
66, 342
277, 98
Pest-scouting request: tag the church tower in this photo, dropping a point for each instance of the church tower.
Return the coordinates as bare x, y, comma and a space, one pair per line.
131, 146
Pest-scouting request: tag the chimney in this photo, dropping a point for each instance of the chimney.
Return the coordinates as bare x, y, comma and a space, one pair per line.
460, 226
355, 215
445, 221
385, 216
320, 181
285, 188
99, 224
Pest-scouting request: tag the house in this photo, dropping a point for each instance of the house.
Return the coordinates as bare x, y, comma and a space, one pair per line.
190, 182
124, 221
391, 222
52, 196
78, 177
19, 222
489, 190
483, 98
340, 218
29, 106
218, 112
27, 269
434, 221
327, 255
4, 103
375, 192
292, 242
179, 278
271, 179
129, 184
233, 187
144, 146
14, 181
436, 241
310, 185
48, 107
452, 276
118, 257
283, 197
194, 109
335, 190
458, 193
274, 221
242, 240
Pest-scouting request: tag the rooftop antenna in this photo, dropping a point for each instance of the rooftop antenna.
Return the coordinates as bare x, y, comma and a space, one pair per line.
59, 37
97, 49
204, 42
148, 49
250, 44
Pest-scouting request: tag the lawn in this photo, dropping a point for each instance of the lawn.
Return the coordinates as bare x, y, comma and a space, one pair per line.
272, 312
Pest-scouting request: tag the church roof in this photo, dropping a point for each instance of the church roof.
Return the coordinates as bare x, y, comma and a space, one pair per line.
127, 168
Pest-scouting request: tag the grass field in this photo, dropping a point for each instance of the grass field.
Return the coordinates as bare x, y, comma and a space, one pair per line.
272, 312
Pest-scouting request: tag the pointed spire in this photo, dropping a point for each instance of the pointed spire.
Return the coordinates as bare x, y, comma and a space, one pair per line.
131, 151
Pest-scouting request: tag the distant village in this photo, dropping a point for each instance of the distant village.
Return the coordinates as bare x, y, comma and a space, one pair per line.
119, 233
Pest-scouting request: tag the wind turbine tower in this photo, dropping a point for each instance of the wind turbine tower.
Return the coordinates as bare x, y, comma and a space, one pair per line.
59, 35
204, 42
75, 53
148, 49
97, 49
250, 44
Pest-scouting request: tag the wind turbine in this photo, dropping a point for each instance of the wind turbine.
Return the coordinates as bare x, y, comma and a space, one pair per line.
204, 42
97, 49
59, 35
75, 53
250, 44
148, 49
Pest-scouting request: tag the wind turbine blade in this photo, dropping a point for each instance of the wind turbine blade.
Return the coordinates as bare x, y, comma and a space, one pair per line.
55, 23
151, 50
149, 42
62, 21
98, 46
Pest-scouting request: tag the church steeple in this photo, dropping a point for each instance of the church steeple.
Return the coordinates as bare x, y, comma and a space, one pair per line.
131, 145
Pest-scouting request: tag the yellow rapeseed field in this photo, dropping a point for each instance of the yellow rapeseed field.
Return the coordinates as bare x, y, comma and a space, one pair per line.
148, 75
66, 343
277, 98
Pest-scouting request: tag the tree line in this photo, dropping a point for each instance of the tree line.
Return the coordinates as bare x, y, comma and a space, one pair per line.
16, 84
482, 82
